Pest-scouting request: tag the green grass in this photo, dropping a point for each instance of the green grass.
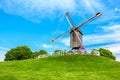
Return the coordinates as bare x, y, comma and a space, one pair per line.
68, 67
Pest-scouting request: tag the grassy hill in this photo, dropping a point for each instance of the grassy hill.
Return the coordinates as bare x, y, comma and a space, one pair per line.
69, 67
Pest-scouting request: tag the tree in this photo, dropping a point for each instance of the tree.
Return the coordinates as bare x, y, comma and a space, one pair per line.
106, 53
18, 53
41, 52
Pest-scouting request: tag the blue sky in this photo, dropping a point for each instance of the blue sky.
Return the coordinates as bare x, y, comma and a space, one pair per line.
35, 22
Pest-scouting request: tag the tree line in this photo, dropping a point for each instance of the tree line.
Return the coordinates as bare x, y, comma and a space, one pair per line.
24, 52
21, 53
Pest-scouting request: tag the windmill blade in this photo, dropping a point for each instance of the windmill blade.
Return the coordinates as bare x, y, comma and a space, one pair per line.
64, 34
74, 28
96, 15
69, 20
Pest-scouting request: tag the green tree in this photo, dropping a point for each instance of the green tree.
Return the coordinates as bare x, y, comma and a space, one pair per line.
18, 53
106, 53
41, 52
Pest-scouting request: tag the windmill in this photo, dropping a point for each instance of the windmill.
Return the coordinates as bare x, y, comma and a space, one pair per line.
76, 42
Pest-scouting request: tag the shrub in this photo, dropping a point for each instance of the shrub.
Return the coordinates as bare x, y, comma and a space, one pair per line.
18, 53
106, 53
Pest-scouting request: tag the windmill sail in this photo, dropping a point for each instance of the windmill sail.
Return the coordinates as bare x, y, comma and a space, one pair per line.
75, 34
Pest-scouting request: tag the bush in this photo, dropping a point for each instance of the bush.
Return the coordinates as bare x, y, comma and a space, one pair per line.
18, 53
106, 53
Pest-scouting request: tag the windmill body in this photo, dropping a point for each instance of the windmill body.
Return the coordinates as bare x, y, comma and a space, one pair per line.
74, 41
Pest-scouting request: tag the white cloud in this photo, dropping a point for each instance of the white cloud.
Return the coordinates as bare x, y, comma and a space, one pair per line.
118, 59
37, 9
3, 48
47, 46
114, 28
52, 47
115, 48
2, 55
117, 9
66, 41
92, 5
98, 39
112, 36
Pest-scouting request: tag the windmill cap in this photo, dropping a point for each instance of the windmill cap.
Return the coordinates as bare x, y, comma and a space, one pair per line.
98, 14
67, 13
53, 40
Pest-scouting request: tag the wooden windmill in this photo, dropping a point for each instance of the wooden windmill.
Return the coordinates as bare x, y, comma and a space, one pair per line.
76, 42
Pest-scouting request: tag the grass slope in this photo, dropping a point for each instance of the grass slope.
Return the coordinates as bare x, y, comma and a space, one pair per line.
69, 67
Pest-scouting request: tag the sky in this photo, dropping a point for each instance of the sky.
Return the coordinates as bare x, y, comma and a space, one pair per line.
35, 22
